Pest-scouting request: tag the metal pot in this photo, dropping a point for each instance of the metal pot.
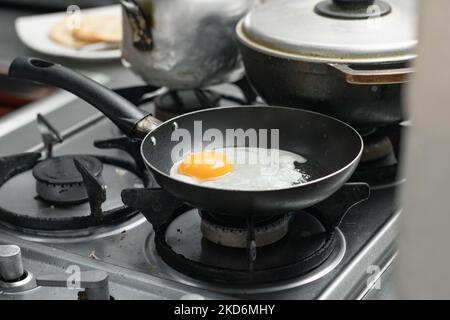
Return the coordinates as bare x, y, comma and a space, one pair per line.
183, 44
345, 58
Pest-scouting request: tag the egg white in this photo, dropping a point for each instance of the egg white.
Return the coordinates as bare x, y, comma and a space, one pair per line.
255, 169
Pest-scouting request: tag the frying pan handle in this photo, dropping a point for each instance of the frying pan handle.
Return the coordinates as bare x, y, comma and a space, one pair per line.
373, 77
130, 119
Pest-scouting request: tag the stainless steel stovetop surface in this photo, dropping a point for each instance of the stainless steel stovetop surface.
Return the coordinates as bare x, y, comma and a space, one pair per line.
125, 251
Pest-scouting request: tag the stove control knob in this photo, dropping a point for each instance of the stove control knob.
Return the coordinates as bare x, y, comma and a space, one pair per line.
11, 266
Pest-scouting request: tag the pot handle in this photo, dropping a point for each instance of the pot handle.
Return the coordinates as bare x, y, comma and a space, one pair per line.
140, 24
373, 77
129, 118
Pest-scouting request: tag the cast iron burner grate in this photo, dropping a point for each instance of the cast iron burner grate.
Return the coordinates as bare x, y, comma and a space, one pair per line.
171, 103
175, 102
74, 192
308, 244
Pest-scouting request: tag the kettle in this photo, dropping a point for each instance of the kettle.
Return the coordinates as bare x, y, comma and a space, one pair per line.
183, 44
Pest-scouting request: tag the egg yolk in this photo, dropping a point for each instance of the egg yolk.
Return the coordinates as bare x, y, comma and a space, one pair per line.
206, 165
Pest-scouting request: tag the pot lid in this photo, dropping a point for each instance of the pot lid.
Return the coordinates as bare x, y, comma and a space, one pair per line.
352, 31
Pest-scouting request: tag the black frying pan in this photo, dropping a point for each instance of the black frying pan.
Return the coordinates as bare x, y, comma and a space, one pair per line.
333, 148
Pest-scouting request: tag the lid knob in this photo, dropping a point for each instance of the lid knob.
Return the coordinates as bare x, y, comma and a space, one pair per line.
354, 2
352, 9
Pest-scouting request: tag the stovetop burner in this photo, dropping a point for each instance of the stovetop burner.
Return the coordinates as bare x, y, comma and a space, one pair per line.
59, 181
68, 195
175, 102
382, 152
376, 146
172, 103
31, 214
181, 243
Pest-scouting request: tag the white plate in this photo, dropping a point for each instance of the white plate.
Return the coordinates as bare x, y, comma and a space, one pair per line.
33, 31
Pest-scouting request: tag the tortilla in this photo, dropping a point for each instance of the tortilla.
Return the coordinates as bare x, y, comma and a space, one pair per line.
62, 34
99, 28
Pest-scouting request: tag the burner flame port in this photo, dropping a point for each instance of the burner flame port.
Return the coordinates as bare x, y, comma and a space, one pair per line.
59, 181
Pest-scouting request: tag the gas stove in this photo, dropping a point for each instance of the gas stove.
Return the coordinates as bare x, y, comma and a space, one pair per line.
81, 204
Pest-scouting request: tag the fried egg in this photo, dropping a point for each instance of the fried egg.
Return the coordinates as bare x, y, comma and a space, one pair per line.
245, 169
